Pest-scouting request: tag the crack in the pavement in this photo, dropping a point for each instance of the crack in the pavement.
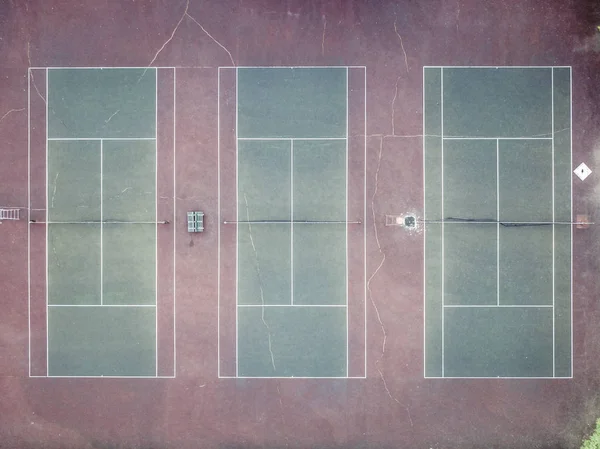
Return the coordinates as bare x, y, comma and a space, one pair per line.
414, 136
394, 107
10, 112
323, 36
382, 138
379, 248
260, 283
183, 16
401, 44
393, 397
35, 87
110, 118
457, 14
54, 190
187, 5
211, 36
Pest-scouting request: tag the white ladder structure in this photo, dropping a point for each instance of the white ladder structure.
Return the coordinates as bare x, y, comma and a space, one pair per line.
9, 214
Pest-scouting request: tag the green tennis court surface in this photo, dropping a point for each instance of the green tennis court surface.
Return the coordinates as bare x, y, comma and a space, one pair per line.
101, 153
497, 161
291, 276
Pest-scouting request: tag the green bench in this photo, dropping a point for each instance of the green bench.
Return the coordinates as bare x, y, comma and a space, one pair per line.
195, 221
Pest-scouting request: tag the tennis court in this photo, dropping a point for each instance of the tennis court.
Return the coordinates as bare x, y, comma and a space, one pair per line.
410, 257
95, 214
498, 222
286, 213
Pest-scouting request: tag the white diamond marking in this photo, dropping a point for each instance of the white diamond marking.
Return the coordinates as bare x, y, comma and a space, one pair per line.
582, 171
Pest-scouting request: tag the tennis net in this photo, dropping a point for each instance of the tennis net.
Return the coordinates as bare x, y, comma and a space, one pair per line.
291, 222
164, 222
508, 224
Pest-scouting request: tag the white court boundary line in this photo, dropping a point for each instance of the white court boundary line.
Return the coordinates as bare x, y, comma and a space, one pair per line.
104, 306
237, 228
442, 226
219, 223
156, 219
502, 378
553, 226
553, 235
307, 306
291, 139
66, 139
365, 219
47, 242
294, 67
154, 67
100, 140
495, 306
291, 222
424, 233
295, 377
174, 222
346, 237
494, 138
571, 166
29, 221
496, 66
197, 67
498, 224
101, 223
102, 377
